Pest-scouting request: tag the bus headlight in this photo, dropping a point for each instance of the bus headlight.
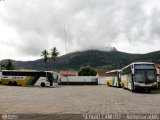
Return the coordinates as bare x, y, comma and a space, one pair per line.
136, 84
154, 84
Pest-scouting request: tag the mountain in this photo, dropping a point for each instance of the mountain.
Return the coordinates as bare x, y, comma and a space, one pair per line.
95, 58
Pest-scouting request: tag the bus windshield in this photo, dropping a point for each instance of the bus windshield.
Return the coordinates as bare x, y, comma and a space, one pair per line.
145, 76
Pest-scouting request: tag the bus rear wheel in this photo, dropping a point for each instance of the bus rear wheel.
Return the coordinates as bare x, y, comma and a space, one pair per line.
10, 83
43, 84
15, 83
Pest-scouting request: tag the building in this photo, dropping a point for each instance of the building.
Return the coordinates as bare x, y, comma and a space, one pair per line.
101, 74
67, 73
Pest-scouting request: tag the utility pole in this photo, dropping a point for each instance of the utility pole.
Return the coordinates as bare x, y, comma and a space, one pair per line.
65, 37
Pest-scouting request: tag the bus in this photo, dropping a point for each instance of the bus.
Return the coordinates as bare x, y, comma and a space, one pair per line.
114, 78
0, 76
139, 76
158, 75
28, 78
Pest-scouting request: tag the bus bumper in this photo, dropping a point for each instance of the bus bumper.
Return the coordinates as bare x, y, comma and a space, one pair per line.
144, 86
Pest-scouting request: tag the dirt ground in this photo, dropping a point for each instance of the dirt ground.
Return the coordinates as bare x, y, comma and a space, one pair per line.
75, 100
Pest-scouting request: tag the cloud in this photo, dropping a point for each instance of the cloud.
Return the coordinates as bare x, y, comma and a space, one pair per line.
28, 27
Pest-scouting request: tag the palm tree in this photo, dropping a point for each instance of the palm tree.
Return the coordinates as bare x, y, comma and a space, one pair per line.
45, 55
54, 55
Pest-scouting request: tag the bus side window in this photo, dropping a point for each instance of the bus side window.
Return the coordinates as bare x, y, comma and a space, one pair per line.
130, 78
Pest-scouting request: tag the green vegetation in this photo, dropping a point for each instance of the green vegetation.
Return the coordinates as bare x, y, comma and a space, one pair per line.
8, 65
94, 58
45, 55
54, 55
87, 71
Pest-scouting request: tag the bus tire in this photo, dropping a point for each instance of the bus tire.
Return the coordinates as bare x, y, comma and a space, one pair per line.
132, 88
15, 83
119, 85
108, 83
149, 91
10, 83
123, 86
43, 84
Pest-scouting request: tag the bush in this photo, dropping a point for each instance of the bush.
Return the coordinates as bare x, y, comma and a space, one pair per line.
87, 71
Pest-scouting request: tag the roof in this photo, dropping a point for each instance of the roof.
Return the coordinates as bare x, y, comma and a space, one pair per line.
68, 73
137, 63
101, 73
113, 71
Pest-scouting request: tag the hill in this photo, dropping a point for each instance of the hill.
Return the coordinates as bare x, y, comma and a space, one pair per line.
97, 59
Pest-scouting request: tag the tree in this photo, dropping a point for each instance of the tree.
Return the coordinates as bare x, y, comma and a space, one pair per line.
9, 65
54, 55
45, 55
87, 71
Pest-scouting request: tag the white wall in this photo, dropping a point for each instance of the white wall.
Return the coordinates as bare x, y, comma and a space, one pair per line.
102, 80
79, 79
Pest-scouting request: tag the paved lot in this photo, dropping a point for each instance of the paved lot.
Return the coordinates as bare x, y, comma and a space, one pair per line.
76, 100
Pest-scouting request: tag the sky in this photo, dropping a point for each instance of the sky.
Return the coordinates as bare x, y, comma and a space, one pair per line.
27, 27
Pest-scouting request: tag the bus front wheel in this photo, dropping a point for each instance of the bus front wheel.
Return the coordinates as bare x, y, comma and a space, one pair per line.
43, 84
148, 91
132, 88
123, 86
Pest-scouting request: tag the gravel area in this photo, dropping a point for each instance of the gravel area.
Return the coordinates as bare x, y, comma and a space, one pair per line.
76, 100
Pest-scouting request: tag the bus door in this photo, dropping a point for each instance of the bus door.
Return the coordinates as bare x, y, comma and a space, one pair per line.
50, 78
119, 79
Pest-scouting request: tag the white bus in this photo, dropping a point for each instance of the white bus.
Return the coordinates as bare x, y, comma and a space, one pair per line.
28, 78
0, 76
139, 76
114, 78
158, 76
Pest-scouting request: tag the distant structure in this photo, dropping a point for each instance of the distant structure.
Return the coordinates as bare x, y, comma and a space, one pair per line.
67, 73
101, 74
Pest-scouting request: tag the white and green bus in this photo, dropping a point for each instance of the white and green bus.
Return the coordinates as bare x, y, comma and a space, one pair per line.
139, 76
114, 78
28, 78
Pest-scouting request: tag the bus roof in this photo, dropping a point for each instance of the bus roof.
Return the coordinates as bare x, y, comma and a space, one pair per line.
111, 71
137, 63
142, 63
